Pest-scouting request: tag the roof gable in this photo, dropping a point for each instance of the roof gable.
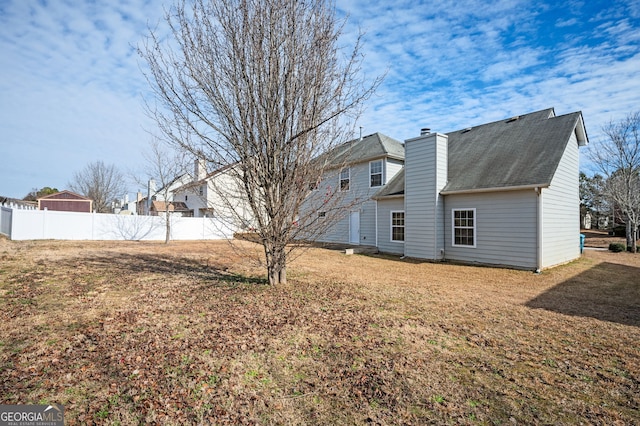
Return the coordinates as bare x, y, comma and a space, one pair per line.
368, 148
65, 195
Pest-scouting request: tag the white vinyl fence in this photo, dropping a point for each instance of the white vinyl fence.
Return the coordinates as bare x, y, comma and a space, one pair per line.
19, 224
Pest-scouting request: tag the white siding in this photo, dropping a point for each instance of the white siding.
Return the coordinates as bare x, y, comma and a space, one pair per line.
425, 176
385, 207
393, 167
506, 228
561, 211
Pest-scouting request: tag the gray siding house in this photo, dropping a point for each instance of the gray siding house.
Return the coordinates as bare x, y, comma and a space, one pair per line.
357, 170
502, 193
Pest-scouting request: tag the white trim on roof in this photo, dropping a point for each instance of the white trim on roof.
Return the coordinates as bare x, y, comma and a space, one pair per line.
496, 189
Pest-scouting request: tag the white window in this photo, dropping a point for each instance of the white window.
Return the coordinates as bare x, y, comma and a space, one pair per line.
345, 177
464, 227
397, 226
375, 173
201, 190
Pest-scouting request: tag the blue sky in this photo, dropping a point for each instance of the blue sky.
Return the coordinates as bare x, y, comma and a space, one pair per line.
72, 89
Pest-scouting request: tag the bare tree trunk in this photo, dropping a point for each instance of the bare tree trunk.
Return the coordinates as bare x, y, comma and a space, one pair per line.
276, 257
167, 220
632, 230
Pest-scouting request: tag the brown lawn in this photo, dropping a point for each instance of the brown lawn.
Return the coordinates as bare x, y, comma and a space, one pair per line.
142, 333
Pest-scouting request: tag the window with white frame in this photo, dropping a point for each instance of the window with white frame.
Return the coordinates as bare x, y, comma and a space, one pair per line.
375, 173
397, 226
345, 177
464, 227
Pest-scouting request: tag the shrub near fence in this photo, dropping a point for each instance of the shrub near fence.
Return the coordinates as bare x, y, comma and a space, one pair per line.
20, 224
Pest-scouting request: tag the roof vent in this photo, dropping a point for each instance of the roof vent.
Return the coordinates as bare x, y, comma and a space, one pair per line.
425, 131
512, 119
468, 129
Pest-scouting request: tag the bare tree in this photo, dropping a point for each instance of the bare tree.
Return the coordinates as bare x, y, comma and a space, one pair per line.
100, 182
618, 158
260, 88
168, 168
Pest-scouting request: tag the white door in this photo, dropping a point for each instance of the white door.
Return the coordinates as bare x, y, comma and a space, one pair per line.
354, 228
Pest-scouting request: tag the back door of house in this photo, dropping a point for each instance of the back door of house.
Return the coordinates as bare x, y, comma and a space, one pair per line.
354, 228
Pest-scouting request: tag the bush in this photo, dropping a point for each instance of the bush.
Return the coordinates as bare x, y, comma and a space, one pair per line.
617, 247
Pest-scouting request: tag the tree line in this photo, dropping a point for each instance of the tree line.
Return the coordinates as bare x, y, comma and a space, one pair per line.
613, 191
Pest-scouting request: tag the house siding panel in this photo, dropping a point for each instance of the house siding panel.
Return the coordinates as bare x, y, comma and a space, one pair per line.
561, 215
66, 205
393, 167
385, 207
506, 228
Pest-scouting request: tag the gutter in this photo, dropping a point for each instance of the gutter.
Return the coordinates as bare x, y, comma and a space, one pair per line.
495, 189
386, 197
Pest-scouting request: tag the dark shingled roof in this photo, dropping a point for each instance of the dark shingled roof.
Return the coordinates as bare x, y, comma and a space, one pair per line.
520, 151
369, 147
394, 187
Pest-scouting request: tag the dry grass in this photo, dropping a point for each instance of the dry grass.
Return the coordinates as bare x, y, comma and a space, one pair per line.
139, 333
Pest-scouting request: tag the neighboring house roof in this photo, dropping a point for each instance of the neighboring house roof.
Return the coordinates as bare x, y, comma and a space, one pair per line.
9, 200
368, 148
518, 152
65, 195
175, 206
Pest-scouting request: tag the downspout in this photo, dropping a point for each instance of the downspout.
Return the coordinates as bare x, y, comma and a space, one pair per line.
539, 231
376, 205
444, 228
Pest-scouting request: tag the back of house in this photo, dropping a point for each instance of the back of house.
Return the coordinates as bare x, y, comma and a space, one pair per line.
501, 193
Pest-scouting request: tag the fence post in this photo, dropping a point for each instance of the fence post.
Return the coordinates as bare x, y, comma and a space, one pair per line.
44, 223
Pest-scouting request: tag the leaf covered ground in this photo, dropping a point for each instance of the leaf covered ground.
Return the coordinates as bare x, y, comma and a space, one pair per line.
187, 333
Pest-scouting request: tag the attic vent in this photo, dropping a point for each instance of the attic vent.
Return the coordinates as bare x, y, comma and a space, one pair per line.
512, 119
425, 131
468, 129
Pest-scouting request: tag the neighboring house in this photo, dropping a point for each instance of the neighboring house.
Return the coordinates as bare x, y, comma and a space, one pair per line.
215, 194
8, 201
176, 208
143, 204
66, 201
357, 170
502, 193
